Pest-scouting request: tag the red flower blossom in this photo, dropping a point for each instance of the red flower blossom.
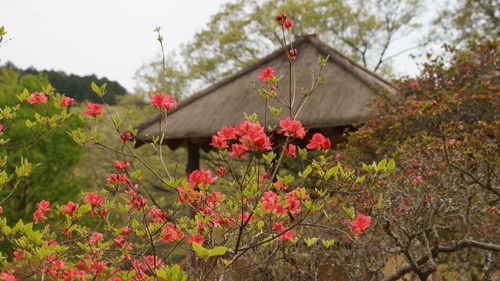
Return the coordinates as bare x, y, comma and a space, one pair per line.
227, 133
125, 230
291, 150
1, 128
38, 215
269, 200
95, 237
37, 97
253, 136
115, 179
288, 24
414, 84
8, 277
119, 240
360, 223
161, 100
126, 136
67, 101
18, 256
280, 19
121, 165
137, 202
266, 74
171, 233
93, 109
203, 177
44, 205
197, 238
293, 54
319, 141
292, 128
238, 150
246, 217
288, 235
221, 171
70, 207
94, 199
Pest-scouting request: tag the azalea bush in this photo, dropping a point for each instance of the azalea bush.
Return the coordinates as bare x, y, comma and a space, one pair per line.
123, 232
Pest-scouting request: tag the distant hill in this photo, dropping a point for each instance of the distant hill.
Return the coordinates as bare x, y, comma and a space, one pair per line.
75, 86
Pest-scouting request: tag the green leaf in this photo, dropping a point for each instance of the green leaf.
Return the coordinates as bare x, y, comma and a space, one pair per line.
350, 212
306, 172
260, 224
96, 89
83, 209
269, 157
310, 241
332, 171
200, 251
367, 167
173, 273
328, 243
391, 165
381, 165
275, 111
217, 251
303, 153
360, 179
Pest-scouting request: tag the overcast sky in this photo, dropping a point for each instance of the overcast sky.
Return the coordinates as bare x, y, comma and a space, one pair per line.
111, 38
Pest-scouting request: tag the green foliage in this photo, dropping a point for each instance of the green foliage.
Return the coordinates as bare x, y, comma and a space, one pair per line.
48, 160
74, 86
464, 20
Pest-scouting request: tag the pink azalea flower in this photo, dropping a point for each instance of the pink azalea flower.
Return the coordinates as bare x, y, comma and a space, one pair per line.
70, 207
360, 223
121, 165
266, 74
291, 150
94, 199
288, 24
67, 101
161, 100
8, 277
197, 238
37, 97
319, 141
95, 237
93, 109
203, 177
292, 128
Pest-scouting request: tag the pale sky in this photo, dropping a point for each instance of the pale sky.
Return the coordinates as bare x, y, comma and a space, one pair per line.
111, 38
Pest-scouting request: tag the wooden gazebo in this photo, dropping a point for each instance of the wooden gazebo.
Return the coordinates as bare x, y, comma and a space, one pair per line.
340, 102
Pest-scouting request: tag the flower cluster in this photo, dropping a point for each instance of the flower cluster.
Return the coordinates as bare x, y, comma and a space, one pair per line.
292, 128
37, 97
246, 136
42, 207
161, 100
93, 109
360, 223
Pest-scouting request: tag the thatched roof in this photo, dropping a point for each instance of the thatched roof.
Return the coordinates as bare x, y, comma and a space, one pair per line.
341, 101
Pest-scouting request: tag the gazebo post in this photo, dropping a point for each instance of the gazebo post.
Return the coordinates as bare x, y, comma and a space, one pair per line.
193, 156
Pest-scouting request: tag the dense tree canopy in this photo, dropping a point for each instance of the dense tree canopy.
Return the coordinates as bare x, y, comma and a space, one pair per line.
75, 86
55, 155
